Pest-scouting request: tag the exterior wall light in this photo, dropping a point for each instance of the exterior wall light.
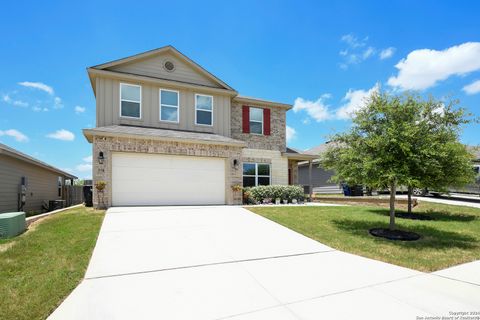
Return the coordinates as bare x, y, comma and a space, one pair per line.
101, 158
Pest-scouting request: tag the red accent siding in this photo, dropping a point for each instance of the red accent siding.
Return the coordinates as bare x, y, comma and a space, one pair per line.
246, 119
266, 121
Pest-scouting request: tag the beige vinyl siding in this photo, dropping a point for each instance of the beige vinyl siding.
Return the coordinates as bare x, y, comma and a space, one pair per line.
153, 67
42, 184
108, 108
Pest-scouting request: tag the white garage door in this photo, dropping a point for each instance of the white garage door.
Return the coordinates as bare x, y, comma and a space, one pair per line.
147, 179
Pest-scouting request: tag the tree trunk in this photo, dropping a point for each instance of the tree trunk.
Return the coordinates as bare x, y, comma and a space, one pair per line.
393, 191
410, 189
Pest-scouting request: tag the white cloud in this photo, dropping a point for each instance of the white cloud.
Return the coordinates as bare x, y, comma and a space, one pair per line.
88, 159
423, 68
472, 88
17, 135
356, 51
317, 110
291, 133
368, 53
79, 109
353, 41
354, 100
62, 134
84, 167
38, 109
387, 53
38, 85
18, 103
57, 103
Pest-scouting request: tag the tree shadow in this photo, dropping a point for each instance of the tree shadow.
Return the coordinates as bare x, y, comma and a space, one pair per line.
430, 237
427, 215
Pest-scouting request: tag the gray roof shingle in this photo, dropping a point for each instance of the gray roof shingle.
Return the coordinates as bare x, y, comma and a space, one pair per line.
162, 134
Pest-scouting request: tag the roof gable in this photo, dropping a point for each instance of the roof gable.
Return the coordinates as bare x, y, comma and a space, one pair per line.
151, 64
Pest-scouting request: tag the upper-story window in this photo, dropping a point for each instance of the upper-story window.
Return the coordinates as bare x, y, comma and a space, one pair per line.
203, 109
169, 105
130, 101
256, 120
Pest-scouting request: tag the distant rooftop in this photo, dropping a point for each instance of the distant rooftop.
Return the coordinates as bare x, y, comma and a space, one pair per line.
9, 151
321, 148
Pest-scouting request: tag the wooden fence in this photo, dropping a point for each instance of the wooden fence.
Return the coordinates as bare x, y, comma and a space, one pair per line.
73, 195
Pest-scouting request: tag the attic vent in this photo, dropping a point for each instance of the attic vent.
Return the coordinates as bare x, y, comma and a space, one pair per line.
169, 66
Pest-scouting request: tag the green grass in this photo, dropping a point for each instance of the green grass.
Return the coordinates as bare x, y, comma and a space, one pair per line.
452, 238
42, 266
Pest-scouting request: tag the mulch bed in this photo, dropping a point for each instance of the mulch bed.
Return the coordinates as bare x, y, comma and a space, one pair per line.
398, 235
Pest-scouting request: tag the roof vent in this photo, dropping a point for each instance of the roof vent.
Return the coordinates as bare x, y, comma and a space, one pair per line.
169, 66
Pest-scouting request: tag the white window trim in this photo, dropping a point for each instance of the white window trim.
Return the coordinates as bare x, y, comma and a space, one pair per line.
196, 109
256, 176
250, 120
140, 102
167, 105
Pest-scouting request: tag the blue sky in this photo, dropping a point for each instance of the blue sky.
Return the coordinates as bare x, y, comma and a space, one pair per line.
322, 57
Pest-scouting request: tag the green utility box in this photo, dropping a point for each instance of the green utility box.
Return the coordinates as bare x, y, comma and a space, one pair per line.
12, 224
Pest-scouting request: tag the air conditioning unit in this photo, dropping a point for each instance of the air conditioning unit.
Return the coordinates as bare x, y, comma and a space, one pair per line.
12, 224
56, 204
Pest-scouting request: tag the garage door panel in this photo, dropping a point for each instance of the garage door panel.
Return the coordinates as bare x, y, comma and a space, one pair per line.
145, 179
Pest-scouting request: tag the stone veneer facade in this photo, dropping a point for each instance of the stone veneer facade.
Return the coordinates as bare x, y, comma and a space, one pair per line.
108, 145
277, 138
278, 163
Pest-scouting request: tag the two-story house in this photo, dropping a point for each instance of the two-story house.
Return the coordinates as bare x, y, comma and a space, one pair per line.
168, 132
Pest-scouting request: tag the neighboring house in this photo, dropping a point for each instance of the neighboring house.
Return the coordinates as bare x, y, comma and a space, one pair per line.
41, 181
320, 176
168, 132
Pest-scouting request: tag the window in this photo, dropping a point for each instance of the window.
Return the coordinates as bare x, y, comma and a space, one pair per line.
256, 120
130, 101
59, 186
256, 174
203, 110
169, 102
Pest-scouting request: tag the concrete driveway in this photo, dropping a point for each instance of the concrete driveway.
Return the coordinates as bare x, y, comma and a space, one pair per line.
226, 262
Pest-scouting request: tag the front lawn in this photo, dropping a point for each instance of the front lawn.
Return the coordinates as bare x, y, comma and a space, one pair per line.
451, 238
41, 267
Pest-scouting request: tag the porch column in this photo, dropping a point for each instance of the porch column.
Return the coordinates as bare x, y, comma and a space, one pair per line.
310, 188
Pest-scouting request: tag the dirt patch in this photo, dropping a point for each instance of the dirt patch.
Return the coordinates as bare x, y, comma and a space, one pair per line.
4, 247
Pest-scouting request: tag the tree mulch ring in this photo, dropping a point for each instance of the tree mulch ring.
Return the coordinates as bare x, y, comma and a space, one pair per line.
398, 235
413, 216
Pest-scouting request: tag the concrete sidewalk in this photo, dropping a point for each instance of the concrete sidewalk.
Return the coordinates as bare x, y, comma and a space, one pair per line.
226, 262
455, 202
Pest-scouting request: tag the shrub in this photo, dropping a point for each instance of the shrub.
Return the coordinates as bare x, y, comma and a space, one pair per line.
258, 194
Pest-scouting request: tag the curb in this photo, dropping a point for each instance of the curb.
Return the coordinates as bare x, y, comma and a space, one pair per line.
32, 219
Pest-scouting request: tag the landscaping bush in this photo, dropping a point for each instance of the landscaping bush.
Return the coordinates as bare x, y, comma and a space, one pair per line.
272, 192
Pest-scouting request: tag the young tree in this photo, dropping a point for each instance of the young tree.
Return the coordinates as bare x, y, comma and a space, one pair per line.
437, 160
401, 140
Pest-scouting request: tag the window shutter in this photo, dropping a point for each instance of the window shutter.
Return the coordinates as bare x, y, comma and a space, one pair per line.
266, 121
246, 119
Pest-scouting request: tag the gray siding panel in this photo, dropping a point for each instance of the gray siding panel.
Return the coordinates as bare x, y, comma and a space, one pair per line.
153, 67
42, 184
320, 176
108, 108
